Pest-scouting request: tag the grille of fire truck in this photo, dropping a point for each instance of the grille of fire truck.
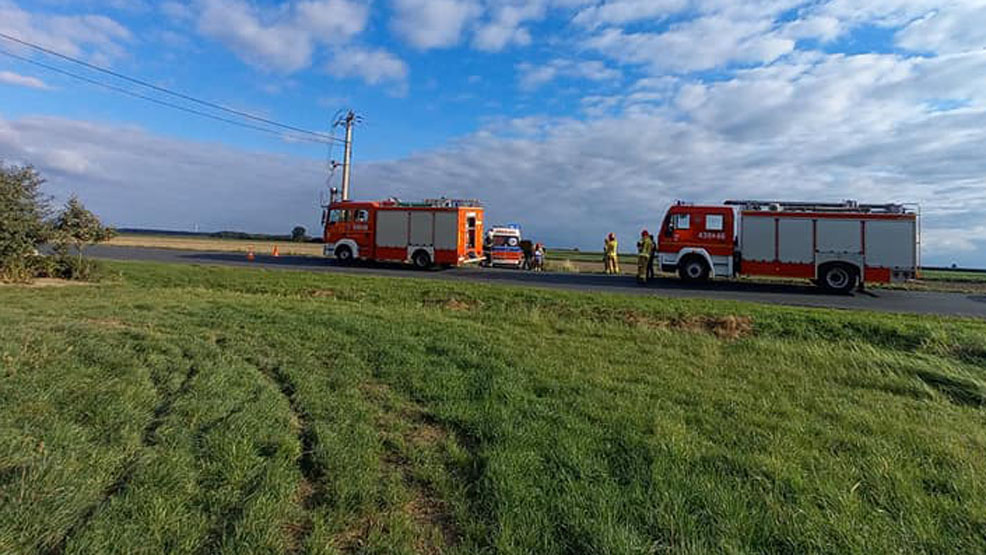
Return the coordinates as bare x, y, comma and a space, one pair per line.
845, 206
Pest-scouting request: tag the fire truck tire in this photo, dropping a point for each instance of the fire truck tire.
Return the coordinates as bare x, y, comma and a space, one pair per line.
344, 254
421, 260
839, 278
693, 269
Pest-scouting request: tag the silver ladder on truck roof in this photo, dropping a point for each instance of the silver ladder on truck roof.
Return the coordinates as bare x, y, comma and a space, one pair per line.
844, 206
435, 203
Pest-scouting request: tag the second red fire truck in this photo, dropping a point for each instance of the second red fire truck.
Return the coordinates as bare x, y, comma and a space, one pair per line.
836, 245
440, 232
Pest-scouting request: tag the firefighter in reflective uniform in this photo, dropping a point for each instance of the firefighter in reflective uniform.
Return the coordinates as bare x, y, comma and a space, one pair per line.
610, 256
645, 248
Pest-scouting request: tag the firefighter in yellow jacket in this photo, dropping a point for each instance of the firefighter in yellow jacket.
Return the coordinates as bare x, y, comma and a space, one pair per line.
645, 248
610, 256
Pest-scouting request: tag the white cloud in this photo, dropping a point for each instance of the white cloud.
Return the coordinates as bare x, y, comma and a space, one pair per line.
705, 43
375, 66
958, 29
10, 78
533, 76
66, 161
965, 241
620, 12
184, 184
505, 26
287, 38
277, 46
96, 37
429, 24
923, 25
134, 6
822, 27
493, 24
332, 21
281, 39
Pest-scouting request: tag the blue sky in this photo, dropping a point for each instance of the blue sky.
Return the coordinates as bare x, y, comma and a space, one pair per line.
572, 117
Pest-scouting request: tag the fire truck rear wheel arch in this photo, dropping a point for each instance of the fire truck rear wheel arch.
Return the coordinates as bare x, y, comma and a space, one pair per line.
422, 259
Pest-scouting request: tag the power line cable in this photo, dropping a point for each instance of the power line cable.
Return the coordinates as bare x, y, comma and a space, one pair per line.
324, 137
164, 102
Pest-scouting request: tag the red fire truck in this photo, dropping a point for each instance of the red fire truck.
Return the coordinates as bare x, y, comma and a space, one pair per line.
836, 245
443, 232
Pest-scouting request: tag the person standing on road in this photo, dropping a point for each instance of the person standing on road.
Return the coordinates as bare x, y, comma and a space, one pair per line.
611, 258
645, 248
488, 248
650, 263
528, 247
539, 258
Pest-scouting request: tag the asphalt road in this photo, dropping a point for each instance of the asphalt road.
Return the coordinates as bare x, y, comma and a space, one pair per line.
951, 304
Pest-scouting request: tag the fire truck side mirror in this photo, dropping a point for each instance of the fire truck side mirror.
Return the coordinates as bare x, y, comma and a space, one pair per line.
325, 216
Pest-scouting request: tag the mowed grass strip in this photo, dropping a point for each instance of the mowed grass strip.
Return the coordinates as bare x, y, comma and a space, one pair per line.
205, 410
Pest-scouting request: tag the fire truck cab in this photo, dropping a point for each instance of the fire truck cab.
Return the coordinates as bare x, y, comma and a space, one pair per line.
698, 241
836, 245
442, 232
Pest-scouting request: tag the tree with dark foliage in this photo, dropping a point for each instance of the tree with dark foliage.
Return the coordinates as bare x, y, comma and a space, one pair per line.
77, 227
23, 209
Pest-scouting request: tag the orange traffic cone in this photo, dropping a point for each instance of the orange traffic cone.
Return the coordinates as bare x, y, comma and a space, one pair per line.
274, 252
250, 255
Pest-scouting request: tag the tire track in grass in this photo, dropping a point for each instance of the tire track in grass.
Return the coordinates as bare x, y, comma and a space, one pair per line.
148, 438
405, 425
231, 516
311, 491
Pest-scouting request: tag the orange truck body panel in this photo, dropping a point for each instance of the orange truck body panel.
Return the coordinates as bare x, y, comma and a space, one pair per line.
389, 231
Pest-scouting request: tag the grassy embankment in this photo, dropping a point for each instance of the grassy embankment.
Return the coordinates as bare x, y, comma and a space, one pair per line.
199, 409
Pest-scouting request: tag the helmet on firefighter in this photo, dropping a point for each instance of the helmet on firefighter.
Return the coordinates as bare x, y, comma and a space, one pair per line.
644, 233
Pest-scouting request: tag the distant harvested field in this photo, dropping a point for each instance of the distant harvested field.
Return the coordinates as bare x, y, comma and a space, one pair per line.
201, 409
214, 244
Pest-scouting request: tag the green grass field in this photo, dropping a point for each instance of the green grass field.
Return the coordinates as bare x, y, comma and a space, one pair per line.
957, 276
219, 410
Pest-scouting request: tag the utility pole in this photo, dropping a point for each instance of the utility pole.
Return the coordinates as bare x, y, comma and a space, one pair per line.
349, 120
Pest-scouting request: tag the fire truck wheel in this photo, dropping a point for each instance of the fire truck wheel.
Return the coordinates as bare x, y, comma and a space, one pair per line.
693, 269
839, 278
344, 254
421, 260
